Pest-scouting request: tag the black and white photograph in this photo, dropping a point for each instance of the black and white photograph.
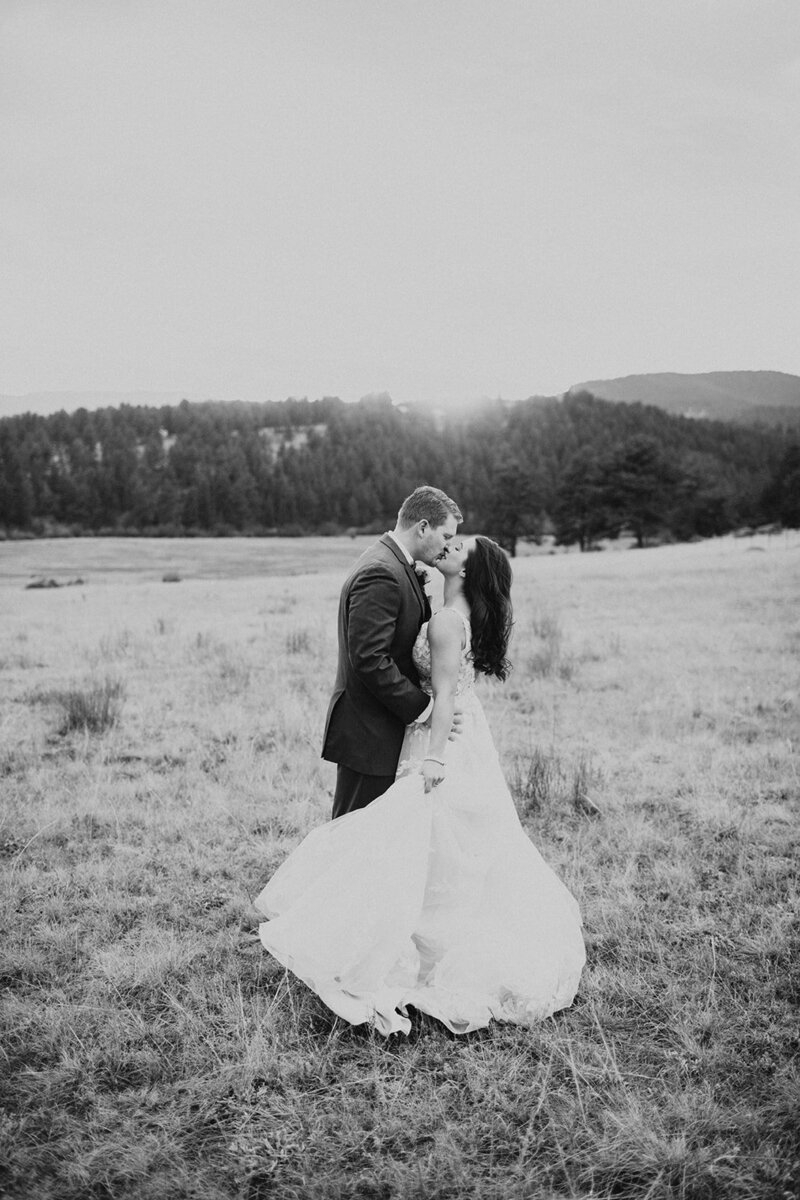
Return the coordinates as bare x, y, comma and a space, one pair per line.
400, 599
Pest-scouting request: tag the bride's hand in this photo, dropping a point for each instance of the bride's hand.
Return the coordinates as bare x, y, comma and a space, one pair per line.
456, 728
433, 772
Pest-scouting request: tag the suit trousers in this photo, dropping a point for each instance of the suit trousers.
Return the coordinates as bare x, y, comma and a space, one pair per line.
354, 790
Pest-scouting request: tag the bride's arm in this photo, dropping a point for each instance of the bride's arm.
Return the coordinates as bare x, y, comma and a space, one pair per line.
446, 640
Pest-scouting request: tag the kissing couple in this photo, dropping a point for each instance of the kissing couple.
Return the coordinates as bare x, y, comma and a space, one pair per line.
424, 890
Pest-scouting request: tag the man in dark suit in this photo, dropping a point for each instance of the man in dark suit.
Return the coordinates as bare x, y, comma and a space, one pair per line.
381, 610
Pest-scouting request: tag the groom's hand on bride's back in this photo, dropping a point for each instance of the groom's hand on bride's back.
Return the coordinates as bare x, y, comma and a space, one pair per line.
457, 727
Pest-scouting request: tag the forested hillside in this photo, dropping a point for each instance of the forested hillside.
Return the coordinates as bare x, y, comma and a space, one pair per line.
581, 468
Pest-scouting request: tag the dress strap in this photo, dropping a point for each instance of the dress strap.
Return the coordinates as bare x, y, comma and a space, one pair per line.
467, 626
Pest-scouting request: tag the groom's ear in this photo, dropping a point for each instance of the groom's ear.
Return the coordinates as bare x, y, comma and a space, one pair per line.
422, 525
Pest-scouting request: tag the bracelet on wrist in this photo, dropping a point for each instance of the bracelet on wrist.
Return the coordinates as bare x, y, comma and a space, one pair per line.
431, 758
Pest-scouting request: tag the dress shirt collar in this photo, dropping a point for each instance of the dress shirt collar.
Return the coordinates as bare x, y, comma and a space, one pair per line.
406, 555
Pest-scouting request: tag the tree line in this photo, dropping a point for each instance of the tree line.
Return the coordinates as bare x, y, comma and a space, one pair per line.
579, 468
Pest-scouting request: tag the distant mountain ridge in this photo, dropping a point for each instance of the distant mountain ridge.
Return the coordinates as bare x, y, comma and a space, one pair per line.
745, 396
769, 397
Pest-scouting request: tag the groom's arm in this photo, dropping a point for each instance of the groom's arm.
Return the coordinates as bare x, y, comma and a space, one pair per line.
373, 612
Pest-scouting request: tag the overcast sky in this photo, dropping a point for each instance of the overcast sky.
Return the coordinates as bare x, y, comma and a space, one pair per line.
442, 199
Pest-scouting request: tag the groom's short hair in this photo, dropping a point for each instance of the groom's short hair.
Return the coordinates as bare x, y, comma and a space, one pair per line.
427, 504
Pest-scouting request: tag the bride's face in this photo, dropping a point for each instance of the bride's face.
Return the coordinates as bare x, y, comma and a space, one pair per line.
452, 563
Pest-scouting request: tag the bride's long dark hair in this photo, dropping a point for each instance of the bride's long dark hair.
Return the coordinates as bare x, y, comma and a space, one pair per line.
487, 590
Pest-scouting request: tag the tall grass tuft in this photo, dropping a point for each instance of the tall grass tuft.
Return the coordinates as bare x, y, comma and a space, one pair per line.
93, 708
584, 779
298, 641
550, 659
533, 781
541, 780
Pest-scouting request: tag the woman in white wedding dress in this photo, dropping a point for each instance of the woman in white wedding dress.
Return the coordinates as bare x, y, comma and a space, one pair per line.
433, 895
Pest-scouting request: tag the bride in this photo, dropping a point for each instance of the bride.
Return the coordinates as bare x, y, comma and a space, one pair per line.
433, 896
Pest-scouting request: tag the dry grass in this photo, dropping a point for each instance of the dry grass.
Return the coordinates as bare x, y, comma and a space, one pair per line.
92, 707
150, 1048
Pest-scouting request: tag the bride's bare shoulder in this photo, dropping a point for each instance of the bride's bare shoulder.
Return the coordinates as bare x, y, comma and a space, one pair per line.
446, 627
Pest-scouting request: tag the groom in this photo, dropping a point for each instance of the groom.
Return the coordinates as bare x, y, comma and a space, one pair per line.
381, 609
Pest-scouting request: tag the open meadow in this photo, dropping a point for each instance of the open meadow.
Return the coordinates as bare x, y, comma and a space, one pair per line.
159, 757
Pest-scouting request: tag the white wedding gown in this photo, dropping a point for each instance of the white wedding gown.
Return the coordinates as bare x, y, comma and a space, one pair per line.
439, 901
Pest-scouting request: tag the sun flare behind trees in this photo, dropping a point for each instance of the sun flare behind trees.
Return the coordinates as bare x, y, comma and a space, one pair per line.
579, 468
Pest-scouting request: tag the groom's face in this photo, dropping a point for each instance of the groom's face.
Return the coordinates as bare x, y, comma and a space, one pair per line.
435, 539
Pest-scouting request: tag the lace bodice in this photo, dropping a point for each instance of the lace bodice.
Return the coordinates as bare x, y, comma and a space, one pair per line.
422, 659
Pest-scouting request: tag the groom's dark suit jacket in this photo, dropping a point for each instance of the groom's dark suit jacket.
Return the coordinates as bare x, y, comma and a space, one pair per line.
376, 693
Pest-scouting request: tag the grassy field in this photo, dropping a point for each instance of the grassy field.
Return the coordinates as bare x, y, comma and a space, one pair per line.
159, 756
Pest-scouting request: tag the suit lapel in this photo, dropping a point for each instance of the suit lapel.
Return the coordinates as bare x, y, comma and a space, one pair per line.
412, 575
